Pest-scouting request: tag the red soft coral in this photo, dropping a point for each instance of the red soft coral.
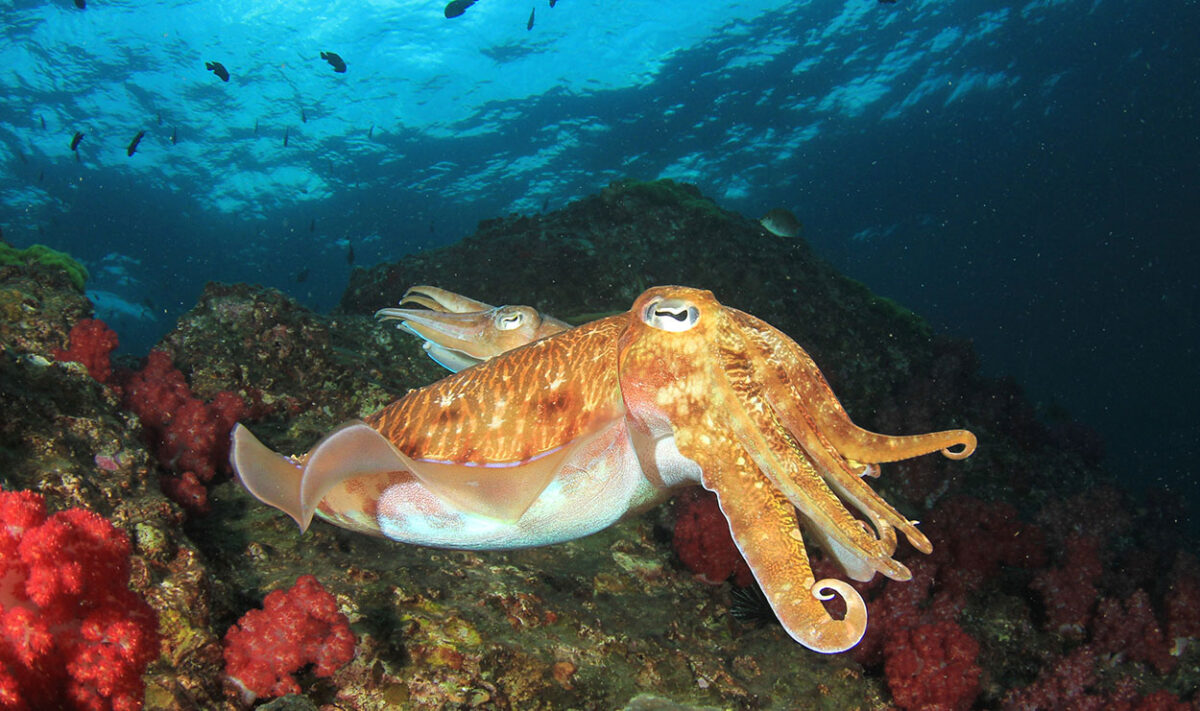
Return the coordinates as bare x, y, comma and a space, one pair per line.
703, 542
91, 343
295, 628
190, 436
72, 634
932, 667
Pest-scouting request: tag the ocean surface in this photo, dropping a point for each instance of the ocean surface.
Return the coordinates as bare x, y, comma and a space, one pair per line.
1024, 175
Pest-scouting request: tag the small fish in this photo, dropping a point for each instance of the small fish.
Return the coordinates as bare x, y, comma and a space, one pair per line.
371, 131
2, 236
552, 2
302, 276
458, 7
218, 69
529, 26
887, 2
545, 204
75, 141
303, 116
781, 222
312, 225
81, 4
159, 116
134, 144
349, 254
43, 120
285, 136
41, 175
338, 64
174, 135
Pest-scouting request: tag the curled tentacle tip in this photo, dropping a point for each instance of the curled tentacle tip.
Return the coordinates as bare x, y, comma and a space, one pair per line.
839, 635
965, 441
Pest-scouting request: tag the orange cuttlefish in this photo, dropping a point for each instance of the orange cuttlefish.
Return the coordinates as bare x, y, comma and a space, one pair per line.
564, 436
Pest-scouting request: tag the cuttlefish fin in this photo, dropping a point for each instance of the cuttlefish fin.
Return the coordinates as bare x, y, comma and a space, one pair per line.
352, 450
500, 491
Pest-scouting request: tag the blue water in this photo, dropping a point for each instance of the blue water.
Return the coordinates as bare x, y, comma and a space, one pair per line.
1024, 175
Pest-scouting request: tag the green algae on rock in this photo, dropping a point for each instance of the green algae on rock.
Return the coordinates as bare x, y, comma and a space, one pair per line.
40, 255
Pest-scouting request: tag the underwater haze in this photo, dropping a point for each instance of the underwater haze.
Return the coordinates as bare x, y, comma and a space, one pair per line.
1022, 174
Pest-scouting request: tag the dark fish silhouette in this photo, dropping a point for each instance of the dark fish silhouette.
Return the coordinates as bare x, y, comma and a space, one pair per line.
458, 7
159, 116
41, 175
174, 135
81, 4
303, 116
887, 2
531, 11
75, 141
218, 69
349, 253
338, 64
552, 2
134, 144
545, 204
302, 276
285, 136
43, 120
312, 225
371, 131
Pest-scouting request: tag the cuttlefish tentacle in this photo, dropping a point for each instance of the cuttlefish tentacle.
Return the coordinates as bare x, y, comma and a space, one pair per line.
766, 530
851, 440
800, 475
431, 297
779, 375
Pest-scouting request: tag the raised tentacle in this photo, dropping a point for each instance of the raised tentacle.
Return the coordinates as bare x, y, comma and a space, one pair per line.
431, 297
784, 393
800, 475
848, 438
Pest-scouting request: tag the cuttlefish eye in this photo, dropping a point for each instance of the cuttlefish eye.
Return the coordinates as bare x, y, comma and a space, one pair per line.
509, 320
674, 315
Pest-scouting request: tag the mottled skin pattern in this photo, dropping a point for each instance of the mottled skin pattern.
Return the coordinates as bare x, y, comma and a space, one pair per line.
543, 395
585, 426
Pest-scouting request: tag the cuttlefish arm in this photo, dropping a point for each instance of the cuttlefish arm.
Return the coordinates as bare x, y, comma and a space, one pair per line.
459, 332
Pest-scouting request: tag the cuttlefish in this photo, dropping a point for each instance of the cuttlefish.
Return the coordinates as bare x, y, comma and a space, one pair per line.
565, 436
458, 332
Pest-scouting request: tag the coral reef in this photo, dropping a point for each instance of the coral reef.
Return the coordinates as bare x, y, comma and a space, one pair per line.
1047, 586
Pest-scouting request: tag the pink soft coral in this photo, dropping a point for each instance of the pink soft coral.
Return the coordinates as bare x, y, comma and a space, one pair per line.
72, 634
295, 628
